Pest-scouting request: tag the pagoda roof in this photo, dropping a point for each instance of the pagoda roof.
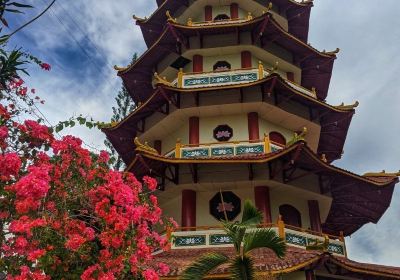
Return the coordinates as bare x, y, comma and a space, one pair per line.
356, 200
298, 15
316, 66
266, 263
334, 120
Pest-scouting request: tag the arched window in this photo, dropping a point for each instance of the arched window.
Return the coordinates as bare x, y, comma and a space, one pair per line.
221, 17
290, 215
277, 138
221, 66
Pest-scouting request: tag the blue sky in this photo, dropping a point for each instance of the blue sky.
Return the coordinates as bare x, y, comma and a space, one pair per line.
83, 39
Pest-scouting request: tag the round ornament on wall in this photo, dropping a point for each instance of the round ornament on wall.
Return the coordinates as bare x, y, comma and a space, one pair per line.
223, 133
229, 203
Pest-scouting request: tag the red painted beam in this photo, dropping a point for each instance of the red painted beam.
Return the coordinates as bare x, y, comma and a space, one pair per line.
208, 13
310, 275
263, 203
254, 133
246, 59
194, 130
315, 217
197, 63
188, 208
234, 11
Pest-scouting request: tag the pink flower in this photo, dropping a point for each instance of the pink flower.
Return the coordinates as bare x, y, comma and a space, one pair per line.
45, 66
150, 274
163, 269
74, 242
104, 157
3, 132
151, 183
9, 165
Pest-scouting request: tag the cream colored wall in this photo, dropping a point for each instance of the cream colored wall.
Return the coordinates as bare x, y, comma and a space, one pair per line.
237, 122
267, 127
169, 141
278, 196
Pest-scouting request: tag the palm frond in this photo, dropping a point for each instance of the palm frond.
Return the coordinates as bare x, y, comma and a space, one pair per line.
204, 265
242, 268
264, 238
236, 232
251, 215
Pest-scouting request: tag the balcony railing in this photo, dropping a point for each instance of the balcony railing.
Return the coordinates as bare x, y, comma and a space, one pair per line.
221, 149
214, 237
227, 78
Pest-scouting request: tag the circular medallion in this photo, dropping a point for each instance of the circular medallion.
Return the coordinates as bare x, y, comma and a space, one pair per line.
231, 205
223, 133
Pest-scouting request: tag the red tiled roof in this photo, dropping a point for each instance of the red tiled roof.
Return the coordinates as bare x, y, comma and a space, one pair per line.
266, 262
264, 259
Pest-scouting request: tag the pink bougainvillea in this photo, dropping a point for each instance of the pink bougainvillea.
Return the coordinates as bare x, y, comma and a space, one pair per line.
65, 214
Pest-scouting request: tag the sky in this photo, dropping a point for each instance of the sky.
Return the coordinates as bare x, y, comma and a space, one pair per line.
83, 39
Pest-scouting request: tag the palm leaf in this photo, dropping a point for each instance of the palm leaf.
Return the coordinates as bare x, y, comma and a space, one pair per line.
264, 238
204, 265
236, 232
251, 215
242, 268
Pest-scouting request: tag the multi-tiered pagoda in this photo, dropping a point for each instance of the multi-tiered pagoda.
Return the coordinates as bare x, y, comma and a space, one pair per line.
231, 103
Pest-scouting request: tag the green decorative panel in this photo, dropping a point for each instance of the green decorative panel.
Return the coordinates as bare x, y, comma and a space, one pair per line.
195, 240
296, 239
222, 151
254, 149
196, 82
244, 77
195, 153
275, 149
336, 249
220, 239
220, 79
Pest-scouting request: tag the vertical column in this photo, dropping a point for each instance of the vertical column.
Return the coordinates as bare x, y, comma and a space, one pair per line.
290, 76
254, 133
315, 218
246, 59
194, 133
262, 199
208, 13
197, 63
310, 274
188, 208
158, 146
234, 11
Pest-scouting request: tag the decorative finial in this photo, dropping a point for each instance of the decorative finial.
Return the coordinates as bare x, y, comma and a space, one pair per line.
382, 174
348, 107
139, 18
144, 147
333, 52
249, 16
118, 68
189, 22
170, 18
161, 80
323, 158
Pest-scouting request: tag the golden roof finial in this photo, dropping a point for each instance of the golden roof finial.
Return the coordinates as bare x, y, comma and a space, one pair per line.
161, 80
139, 18
249, 16
170, 18
298, 137
332, 52
382, 174
144, 147
323, 158
189, 22
118, 68
348, 107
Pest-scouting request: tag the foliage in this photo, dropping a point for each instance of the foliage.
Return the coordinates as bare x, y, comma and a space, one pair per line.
63, 213
246, 238
124, 106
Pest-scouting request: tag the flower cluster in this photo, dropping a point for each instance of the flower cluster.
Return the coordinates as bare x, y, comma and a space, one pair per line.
66, 215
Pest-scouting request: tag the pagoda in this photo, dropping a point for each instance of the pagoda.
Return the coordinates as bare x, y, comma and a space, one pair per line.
231, 106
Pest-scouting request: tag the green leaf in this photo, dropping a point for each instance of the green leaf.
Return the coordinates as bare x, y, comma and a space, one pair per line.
204, 265
236, 232
264, 238
72, 123
242, 268
19, 5
59, 127
251, 215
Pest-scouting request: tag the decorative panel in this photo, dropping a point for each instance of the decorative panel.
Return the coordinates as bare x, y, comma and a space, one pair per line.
194, 240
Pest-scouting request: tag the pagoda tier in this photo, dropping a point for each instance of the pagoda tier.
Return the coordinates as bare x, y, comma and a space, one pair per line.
334, 120
295, 13
356, 200
313, 263
266, 36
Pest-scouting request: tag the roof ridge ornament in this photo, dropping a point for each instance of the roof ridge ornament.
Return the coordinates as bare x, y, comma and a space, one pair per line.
269, 8
319, 245
382, 174
161, 80
170, 18
298, 137
347, 107
120, 68
144, 147
332, 52
139, 18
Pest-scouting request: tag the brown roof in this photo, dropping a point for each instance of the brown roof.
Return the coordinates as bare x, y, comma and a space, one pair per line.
264, 259
266, 262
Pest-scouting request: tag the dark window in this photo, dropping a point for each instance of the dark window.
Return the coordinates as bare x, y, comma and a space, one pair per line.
290, 215
221, 17
277, 138
222, 66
